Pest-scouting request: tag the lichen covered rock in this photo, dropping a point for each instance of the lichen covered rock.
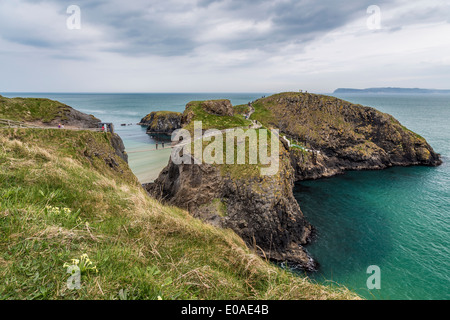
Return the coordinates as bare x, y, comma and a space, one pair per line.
164, 122
330, 135
321, 136
218, 107
262, 210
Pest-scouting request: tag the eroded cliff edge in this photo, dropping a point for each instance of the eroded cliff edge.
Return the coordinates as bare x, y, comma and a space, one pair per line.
163, 122
320, 136
328, 136
50, 113
262, 210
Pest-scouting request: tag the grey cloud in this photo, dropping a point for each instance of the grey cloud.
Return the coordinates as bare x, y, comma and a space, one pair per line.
144, 28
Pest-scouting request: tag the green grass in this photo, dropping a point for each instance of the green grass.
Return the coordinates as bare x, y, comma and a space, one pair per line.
262, 114
155, 115
210, 121
141, 248
418, 136
31, 109
241, 109
321, 121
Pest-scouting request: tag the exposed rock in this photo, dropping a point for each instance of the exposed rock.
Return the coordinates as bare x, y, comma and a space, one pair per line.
119, 147
164, 122
218, 107
326, 136
45, 112
262, 210
213, 107
78, 119
342, 136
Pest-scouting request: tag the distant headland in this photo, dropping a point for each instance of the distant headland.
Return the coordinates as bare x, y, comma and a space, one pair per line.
391, 90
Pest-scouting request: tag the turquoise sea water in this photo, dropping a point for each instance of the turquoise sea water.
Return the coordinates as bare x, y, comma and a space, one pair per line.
397, 219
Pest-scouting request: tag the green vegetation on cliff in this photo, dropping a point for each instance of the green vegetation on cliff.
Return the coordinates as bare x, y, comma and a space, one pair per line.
162, 121
321, 120
196, 112
31, 109
66, 193
340, 135
156, 114
44, 112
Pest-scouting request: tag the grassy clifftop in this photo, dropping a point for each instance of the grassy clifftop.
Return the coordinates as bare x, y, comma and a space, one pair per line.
66, 193
32, 109
44, 112
343, 135
221, 119
162, 121
324, 121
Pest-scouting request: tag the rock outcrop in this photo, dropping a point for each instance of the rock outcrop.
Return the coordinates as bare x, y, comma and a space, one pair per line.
119, 147
75, 118
262, 210
321, 136
45, 112
163, 122
51, 113
218, 107
211, 107
330, 136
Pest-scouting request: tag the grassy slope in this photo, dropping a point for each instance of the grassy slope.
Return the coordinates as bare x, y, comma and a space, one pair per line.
155, 115
318, 114
139, 246
31, 109
210, 121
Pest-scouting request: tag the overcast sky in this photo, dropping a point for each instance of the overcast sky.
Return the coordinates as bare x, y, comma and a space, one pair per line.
222, 45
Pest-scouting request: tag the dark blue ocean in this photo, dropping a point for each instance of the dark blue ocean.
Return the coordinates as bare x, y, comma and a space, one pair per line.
397, 219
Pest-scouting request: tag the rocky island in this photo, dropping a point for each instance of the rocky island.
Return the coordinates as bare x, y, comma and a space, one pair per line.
161, 122
320, 136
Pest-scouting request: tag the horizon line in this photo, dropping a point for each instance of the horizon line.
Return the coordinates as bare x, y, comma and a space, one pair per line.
161, 92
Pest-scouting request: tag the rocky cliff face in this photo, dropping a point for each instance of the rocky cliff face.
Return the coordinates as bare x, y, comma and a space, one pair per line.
119, 147
164, 122
218, 107
78, 119
262, 210
323, 136
330, 135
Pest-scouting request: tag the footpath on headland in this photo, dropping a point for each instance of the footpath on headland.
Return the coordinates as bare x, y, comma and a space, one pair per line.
6, 123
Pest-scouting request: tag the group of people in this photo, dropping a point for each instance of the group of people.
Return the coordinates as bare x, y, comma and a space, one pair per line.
162, 143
